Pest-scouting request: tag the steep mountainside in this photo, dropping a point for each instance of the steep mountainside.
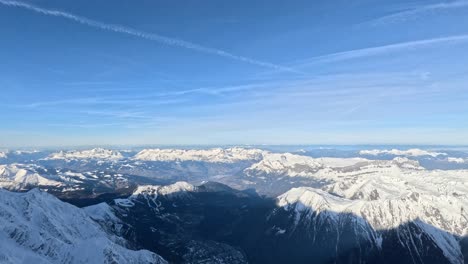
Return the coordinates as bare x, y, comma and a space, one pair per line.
36, 227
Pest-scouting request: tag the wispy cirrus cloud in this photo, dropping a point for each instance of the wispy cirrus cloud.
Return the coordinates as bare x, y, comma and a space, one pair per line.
149, 99
418, 10
378, 50
146, 35
101, 101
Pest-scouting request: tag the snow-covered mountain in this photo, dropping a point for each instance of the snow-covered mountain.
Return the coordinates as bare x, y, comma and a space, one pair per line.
25, 152
373, 181
457, 160
150, 193
396, 152
20, 177
380, 195
383, 198
36, 227
167, 190
96, 153
3, 155
356, 178
220, 155
292, 165
441, 218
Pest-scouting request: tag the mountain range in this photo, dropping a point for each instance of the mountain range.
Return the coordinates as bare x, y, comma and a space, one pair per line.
233, 205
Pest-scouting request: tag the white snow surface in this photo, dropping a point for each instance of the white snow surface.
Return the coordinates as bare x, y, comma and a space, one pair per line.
178, 187
457, 160
220, 155
20, 176
96, 153
21, 152
101, 212
410, 152
152, 192
36, 227
3, 155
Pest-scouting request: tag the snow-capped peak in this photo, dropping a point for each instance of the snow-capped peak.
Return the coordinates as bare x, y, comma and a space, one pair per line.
36, 227
96, 153
396, 152
407, 163
3, 155
292, 165
307, 198
285, 163
171, 189
19, 176
152, 192
445, 212
220, 155
457, 160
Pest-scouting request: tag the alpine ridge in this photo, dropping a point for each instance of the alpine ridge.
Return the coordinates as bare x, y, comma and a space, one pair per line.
36, 227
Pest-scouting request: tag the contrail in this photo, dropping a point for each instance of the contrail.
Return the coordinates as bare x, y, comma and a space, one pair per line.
367, 52
145, 35
404, 15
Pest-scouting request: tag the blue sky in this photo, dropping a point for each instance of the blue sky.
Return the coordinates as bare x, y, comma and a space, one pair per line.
233, 72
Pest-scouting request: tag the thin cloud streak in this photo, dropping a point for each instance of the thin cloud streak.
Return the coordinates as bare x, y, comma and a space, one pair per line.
404, 15
148, 99
145, 35
101, 101
367, 52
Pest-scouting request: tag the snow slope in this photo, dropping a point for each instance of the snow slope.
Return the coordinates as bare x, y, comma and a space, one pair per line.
36, 227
